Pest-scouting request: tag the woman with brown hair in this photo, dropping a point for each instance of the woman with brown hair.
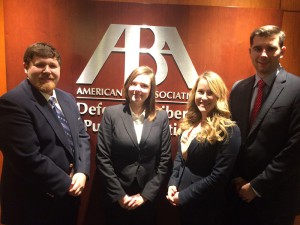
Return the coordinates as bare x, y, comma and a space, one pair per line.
134, 152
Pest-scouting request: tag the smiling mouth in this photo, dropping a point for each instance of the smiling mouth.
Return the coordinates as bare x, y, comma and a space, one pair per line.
263, 63
43, 80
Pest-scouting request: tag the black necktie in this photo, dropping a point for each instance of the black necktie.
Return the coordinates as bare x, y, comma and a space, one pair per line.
62, 119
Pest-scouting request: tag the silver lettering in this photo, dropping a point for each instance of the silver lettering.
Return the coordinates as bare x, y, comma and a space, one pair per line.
162, 36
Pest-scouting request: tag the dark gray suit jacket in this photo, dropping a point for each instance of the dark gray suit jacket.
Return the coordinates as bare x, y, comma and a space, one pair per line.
270, 153
121, 160
35, 177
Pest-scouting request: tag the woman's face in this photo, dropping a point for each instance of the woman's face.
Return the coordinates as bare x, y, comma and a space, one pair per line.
205, 99
139, 89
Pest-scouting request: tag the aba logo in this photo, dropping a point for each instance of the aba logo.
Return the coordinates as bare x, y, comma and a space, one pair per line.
162, 36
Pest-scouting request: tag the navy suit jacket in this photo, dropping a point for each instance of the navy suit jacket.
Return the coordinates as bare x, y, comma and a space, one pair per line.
37, 155
270, 152
120, 158
201, 178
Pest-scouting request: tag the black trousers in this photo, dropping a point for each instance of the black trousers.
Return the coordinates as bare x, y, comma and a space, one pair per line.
143, 215
255, 213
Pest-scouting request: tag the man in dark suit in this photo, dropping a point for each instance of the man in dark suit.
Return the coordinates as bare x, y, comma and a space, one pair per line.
267, 171
46, 158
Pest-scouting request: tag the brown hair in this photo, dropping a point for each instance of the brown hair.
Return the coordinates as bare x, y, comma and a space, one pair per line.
42, 50
267, 31
150, 107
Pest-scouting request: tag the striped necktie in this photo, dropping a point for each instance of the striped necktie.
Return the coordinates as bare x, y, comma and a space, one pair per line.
62, 119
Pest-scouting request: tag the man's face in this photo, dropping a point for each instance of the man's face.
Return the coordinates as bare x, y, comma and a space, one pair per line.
265, 54
43, 73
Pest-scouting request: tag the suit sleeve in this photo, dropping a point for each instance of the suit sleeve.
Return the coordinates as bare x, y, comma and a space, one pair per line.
152, 187
286, 162
84, 150
174, 178
22, 151
104, 160
216, 181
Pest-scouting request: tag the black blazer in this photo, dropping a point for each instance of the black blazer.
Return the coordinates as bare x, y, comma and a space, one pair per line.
35, 177
120, 159
202, 178
270, 152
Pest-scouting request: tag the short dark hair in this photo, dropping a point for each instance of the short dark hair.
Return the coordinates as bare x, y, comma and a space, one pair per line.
40, 49
267, 31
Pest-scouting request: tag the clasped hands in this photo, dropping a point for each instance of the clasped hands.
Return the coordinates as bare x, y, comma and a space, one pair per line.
244, 189
132, 202
172, 195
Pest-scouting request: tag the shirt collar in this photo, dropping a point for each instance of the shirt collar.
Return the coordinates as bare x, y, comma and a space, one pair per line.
268, 79
135, 117
47, 97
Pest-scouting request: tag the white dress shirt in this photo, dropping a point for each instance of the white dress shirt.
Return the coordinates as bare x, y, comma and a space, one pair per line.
138, 122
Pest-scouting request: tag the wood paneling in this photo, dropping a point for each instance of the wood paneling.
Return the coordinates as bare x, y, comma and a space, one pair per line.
291, 59
2, 64
290, 5
2, 68
70, 39
227, 3
2, 52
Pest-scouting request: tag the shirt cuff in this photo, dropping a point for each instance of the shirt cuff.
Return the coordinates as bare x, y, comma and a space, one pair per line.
256, 193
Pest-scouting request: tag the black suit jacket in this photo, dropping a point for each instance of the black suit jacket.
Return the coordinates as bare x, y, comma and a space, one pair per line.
120, 158
37, 155
270, 152
202, 178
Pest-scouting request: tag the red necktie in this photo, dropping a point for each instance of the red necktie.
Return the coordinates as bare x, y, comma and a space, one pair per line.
258, 101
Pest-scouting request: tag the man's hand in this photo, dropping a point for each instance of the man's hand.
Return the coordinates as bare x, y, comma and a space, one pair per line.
243, 189
77, 184
238, 182
246, 193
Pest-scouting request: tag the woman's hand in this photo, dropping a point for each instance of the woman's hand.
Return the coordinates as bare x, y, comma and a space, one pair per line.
132, 202
172, 195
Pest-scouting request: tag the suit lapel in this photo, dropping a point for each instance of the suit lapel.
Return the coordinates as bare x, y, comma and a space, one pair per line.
128, 123
66, 108
275, 91
193, 145
147, 126
42, 105
244, 109
55, 124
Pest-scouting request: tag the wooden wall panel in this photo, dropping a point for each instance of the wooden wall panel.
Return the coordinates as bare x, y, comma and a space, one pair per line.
2, 67
291, 24
227, 3
68, 41
290, 5
2, 52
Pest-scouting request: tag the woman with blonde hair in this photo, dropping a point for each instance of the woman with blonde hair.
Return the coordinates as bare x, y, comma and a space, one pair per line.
207, 149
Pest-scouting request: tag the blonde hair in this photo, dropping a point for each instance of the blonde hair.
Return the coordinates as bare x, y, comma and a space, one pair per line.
214, 128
